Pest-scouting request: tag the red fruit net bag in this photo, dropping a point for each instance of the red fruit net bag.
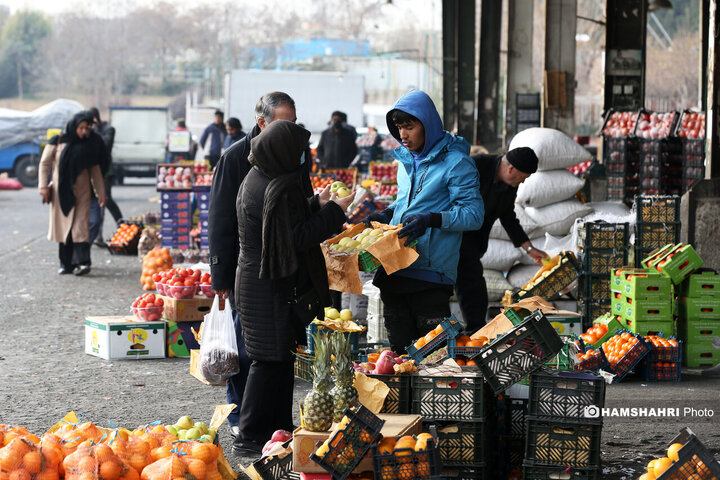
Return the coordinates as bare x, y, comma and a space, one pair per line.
134, 450
21, 459
9, 432
97, 462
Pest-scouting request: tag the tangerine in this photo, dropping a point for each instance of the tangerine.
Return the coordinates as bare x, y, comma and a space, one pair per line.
672, 451
197, 469
661, 464
386, 445
32, 462
19, 474
420, 343
48, 474
110, 470
87, 464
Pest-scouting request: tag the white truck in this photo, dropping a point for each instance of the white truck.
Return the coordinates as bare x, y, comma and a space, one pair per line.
140, 136
316, 95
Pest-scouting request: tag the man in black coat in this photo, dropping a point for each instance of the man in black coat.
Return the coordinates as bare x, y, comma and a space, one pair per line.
223, 224
337, 147
500, 176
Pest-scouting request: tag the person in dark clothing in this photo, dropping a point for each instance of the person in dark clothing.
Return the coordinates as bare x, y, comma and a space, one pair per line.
500, 176
216, 132
234, 132
438, 198
280, 264
230, 172
337, 147
97, 214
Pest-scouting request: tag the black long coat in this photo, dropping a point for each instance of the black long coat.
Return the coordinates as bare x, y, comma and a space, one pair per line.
269, 328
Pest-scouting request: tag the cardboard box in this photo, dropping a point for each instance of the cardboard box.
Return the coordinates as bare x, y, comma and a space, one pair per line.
617, 277
680, 264
699, 331
180, 338
651, 327
305, 442
699, 308
647, 309
189, 310
646, 285
195, 368
121, 337
701, 355
701, 285
566, 325
612, 324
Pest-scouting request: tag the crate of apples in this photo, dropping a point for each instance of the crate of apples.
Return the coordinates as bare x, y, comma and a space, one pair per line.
692, 125
174, 177
383, 171
655, 125
620, 124
203, 180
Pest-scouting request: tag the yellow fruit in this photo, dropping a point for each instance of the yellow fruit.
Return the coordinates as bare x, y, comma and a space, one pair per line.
661, 464
323, 449
647, 476
672, 451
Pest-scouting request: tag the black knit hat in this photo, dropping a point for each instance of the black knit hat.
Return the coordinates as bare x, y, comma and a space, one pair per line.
523, 158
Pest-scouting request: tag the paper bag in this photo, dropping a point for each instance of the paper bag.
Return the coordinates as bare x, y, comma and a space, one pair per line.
497, 326
392, 252
371, 392
343, 271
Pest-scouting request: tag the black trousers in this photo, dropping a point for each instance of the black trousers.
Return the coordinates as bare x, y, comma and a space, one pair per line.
411, 315
268, 401
470, 287
72, 254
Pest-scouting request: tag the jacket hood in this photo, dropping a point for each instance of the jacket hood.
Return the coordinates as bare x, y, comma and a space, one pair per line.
278, 148
418, 104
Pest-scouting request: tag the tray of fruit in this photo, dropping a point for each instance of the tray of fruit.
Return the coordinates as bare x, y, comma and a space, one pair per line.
173, 176
407, 457
655, 124
203, 181
620, 124
691, 125
320, 180
384, 171
125, 239
348, 176
623, 351
555, 275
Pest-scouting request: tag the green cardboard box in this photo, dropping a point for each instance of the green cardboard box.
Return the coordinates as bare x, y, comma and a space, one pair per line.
617, 277
649, 327
647, 310
655, 256
701, 285
679, 264
652, 285
699, 331
696, 308
700, 355
612, 324
617, 305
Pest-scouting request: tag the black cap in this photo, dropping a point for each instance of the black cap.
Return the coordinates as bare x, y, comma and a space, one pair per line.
523, 158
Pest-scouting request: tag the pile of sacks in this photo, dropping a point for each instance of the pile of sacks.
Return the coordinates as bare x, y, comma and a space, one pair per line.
545, 204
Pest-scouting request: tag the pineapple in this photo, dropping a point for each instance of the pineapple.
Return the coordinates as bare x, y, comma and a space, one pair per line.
344, 393
318, 403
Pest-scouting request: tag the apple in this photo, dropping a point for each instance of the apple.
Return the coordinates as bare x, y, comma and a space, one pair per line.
343, 192
193, 434
269, 445
182, 434
281, 436
332, 314
202, 426
206, 439
185, 422
346, 315
172, 429
337, 186
212, 434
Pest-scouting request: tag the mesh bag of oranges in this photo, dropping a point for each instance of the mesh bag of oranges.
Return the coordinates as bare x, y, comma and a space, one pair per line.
10, 432
157, 260
199, 463
134, 450
407, 457
71, 435
155, 435
22, 459
97, 462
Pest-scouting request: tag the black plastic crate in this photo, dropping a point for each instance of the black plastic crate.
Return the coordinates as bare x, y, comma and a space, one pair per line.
349, 446
131, 248
511, 420
657, 209
398, 398
275, 468
660, 371
303, 365
519, 352
693, 458
601, 262
465, 443
564, 395
570, 444
407, 463
450, 398
605, 236
546, 472
631, 358
555, 282
596, 287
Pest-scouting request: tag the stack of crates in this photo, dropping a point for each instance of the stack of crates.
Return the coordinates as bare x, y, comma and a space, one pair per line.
458, 406
621, 157
604, 247
564, 425
176, 219
643, 302
699, 313
661, 165
203, 203
376, 332
691, 131
657, 223
511, 415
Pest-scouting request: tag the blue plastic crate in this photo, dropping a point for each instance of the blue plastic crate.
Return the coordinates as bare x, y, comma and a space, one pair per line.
451, 329
316, 328
631, 358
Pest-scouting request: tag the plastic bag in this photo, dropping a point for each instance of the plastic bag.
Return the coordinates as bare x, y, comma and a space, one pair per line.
218, 352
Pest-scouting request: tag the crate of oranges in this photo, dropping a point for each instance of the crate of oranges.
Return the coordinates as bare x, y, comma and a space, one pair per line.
687, 458
623, 351
125, 239
448, 329
464, 348
407, 458
348, 443
591, 359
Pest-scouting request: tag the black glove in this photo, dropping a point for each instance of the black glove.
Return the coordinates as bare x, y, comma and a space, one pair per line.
416, 224
382, 217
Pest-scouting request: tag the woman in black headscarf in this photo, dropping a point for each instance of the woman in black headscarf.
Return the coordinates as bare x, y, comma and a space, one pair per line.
72, 160
281, 281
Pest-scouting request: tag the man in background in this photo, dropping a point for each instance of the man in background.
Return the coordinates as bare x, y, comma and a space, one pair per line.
337, 147
216, 133
234, 132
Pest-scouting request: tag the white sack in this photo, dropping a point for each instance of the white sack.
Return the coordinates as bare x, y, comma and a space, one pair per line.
551, 186
520, 275
496, 285
557, 218
527, 224
615, 209
553, 148
500, 255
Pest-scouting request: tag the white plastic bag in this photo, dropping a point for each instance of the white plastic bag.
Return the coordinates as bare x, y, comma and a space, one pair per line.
527, 224
500, 255
557, 218
544, 188
218, 349
553, 148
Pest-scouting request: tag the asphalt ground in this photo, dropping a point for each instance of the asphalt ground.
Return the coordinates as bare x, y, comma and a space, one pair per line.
44, 372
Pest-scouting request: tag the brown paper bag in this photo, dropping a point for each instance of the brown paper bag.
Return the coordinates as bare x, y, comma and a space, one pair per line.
392, 252
343, 271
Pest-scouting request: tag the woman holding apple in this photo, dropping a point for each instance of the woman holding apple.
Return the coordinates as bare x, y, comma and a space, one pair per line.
281, 281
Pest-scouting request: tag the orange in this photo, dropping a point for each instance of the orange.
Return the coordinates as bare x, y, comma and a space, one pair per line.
386, 445
103, 453
406, 471
438, 330
197, 469
672, 451
460, 362
429, 337
203, 452
462, 340
32, 462
471, 363
420, 343
19, 474
48, 474
647, 476
130, 474
87, 464
110, 470
661, 464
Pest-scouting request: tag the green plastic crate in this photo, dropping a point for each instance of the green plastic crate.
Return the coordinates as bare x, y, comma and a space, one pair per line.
705, 284
697, 308
680, 264
647, 310
700, 355
653, 285
612, 324
650, 327
699, 331
649, 262
368, 263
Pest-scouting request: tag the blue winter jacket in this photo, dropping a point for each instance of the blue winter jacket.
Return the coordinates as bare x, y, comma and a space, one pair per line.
440, 179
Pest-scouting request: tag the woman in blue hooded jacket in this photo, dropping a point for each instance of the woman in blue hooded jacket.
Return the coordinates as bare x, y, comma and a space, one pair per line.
438, 198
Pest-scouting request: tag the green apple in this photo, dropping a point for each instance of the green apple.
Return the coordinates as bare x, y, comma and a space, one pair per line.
346, 315
212, 434
333, 314
172, 429
343, 192
182, 434
203, 427
205, 439
344, 241
185, 422
193, 434
337, 186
